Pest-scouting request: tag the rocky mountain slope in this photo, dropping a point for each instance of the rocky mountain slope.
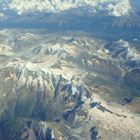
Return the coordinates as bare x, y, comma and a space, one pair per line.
56, 86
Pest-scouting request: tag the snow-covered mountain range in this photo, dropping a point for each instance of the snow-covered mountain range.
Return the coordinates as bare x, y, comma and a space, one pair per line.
110, 7
69, 70
68, 87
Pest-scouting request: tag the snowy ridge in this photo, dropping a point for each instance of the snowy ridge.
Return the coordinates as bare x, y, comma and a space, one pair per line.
27, 75
123, 50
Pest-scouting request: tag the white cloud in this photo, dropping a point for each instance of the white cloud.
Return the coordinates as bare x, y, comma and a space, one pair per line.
120, 8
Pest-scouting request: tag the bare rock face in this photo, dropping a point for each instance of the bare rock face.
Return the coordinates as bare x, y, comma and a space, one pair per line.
27, 130
94, 133
132, 78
